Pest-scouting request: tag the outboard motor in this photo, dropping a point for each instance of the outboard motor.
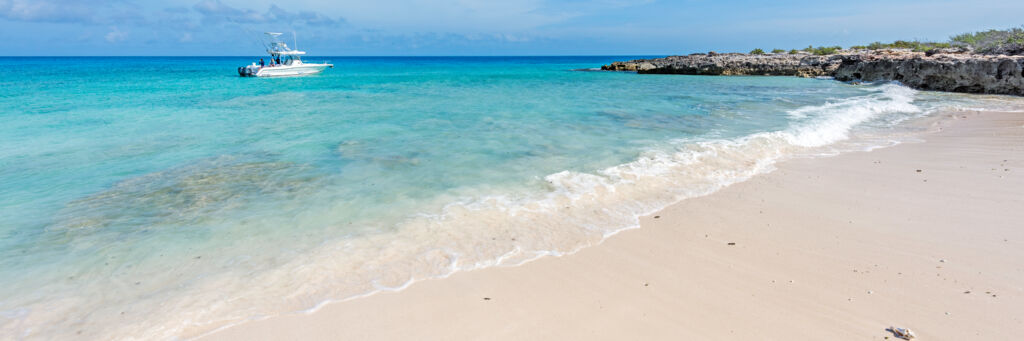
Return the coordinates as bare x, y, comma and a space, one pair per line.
248, 70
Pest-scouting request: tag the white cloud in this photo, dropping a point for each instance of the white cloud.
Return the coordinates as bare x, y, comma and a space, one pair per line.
216, 11
278, 14
514, 38
57, 11
457, 16
115, 35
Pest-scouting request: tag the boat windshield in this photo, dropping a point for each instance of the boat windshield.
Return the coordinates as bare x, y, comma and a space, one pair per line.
278, 47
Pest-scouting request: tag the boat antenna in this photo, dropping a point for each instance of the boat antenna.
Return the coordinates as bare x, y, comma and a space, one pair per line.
295, 41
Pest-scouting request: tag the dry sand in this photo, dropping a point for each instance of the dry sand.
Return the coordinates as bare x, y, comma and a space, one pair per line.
928, 236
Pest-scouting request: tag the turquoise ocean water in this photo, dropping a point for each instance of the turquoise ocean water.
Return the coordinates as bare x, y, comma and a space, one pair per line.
147, 198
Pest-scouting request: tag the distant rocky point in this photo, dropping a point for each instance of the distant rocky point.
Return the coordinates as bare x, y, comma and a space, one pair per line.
802, 64
946, 69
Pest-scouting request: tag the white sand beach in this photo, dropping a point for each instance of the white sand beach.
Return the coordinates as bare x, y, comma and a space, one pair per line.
923, 235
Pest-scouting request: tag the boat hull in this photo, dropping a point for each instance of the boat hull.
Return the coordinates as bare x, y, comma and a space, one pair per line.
292, 70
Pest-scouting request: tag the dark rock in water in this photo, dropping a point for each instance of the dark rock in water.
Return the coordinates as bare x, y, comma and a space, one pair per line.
733, 64
955, 69
971, 73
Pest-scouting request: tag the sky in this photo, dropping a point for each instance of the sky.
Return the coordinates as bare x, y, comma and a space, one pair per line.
479, 27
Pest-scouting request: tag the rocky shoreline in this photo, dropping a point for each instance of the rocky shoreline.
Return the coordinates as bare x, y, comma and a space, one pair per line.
951, 70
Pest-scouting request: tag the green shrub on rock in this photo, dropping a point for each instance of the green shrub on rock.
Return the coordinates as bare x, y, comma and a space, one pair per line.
757, 51
825, 50
1009, 41
915, 45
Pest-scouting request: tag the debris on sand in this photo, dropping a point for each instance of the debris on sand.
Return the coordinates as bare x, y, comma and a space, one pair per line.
903, 333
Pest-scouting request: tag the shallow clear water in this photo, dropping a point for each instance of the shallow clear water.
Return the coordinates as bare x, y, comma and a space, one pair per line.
158, 197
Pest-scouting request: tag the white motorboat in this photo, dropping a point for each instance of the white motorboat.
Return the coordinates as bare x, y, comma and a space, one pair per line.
284, 61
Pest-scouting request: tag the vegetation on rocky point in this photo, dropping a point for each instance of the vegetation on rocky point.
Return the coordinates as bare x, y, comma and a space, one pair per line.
1009, 41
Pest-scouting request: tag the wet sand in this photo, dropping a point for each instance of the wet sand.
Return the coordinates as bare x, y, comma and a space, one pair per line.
926, 235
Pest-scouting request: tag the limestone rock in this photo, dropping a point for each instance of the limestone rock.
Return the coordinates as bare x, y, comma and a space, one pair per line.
971, 73
733, 64
951, 69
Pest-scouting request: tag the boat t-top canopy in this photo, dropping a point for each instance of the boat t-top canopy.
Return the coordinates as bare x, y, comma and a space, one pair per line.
279, 48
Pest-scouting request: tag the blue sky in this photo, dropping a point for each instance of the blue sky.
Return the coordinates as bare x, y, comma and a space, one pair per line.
478, 27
